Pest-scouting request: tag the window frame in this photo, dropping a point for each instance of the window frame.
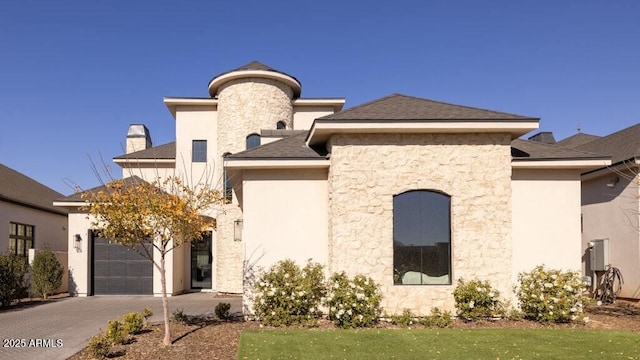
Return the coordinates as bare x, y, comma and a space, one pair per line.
252, 141
198, 155
412, 258
21, 240
227, 190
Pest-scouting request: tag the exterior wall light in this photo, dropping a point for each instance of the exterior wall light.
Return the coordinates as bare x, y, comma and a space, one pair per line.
613, 181
77, 244
237, 230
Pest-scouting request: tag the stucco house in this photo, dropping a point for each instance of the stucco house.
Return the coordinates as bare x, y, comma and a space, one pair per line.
412, 192
611, 205
27, 215
29, 220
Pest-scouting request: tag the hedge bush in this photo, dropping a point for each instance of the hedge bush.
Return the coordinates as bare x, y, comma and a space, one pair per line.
551, 296
353, 302
13, 286
287, 294
476, 300
46, 273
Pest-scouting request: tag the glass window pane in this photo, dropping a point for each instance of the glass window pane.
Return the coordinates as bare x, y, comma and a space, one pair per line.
199, 151
12, 245
281, 125
20, 247
20, 230
29, 233
422, 238
29, 244
13, 229
253, 140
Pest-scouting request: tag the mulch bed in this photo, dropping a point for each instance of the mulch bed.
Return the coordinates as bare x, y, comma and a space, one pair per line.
214, 339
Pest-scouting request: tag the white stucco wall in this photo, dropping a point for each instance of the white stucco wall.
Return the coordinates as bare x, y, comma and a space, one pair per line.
197, 123
80, 275
49, 228
546, 219
149, 172
612, 213
79, 260
303, 116
285, 216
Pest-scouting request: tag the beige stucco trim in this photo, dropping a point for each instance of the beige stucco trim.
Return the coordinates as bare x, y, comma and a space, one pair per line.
276, 164
622, 166
173, 103
215, 84
322, 130
336, 103
584, 165
144, 161
69, 203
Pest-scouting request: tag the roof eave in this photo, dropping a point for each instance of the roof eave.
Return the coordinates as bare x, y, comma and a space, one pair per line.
172, 103
581, 164
249, 163
322, 129
335, 103
289, 80
124, 162
629, 164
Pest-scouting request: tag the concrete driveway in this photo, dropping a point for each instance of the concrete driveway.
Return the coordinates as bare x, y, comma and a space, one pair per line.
62, 327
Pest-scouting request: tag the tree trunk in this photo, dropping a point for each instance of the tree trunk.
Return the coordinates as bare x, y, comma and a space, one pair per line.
165, 304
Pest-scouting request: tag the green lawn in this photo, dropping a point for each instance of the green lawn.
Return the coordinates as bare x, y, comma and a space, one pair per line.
439, 344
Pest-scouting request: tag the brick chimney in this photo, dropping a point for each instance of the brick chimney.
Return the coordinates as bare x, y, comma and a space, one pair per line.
138, 138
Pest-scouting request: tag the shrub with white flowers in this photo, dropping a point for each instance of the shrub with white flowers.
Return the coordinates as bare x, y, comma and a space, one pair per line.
287, 294
476, 300
551, 296
353, 302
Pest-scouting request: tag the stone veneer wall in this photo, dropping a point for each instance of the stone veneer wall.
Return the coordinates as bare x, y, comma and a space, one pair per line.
367, 170
245, 106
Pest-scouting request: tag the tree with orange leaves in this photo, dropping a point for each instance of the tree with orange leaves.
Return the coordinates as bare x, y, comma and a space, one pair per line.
150, 217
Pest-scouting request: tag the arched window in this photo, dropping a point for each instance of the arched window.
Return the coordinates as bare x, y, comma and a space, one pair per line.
422, 238
281, 125
253, 140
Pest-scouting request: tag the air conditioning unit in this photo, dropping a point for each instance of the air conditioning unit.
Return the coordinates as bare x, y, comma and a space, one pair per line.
599, 254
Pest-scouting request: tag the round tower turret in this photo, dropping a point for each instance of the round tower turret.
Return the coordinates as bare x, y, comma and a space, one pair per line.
251, 98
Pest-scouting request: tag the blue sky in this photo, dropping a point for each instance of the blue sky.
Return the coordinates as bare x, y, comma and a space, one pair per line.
75, 74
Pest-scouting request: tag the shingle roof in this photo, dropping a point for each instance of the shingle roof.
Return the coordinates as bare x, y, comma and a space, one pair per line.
165, 151
77, 197
535, 150
22, 190
622, 145
254, 65
290, 148
576, 140
403, 107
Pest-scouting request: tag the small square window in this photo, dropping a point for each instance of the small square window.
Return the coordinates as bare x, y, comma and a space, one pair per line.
199, 151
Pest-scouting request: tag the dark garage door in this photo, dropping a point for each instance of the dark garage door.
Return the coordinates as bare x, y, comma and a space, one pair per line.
120, 271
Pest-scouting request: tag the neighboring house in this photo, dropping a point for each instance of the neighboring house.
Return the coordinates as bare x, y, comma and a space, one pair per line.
611, 205
28, 218
415, 193
29, 221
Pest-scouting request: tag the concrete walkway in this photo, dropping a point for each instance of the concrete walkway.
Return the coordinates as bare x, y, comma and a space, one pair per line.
71, 322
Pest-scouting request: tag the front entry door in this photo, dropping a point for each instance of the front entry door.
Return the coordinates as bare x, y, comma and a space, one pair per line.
201, 263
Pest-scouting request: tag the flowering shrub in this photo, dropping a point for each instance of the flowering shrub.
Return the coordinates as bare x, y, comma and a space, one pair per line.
476, 300
286, 294
406, 319
353, 302
549, 296
437, 318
